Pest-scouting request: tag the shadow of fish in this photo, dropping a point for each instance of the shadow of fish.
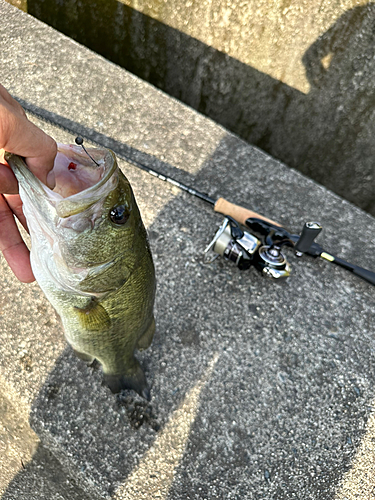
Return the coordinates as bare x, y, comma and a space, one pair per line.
91, 257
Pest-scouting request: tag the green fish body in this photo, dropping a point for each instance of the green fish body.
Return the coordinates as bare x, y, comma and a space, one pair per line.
91, 257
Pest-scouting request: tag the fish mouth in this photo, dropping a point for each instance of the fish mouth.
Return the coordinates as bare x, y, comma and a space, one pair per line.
76, 170
81, 178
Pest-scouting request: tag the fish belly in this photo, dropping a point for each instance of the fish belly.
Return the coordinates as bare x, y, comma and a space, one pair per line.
111, 327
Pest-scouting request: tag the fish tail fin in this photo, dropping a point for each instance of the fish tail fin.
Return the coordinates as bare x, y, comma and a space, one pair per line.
134, 380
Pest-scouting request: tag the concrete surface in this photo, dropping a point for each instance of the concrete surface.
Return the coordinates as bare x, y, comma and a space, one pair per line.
259, 390
294, 78
28, 471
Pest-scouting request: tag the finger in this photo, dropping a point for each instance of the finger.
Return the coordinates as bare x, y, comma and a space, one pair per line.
9, 100
8, 181
15, 204
20, 136
13, 247
40, 153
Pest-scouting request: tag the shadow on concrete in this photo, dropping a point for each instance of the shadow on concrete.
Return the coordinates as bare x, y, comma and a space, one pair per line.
287, 403
43, 479
327, 134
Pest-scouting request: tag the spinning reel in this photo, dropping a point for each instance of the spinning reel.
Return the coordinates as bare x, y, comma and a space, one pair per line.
259, 244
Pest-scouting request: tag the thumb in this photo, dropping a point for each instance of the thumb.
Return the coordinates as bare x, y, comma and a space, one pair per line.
39, 153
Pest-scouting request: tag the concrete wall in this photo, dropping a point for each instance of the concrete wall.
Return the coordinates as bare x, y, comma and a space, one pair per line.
294, 77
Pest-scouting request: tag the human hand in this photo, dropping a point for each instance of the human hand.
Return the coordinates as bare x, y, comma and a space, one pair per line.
19, 136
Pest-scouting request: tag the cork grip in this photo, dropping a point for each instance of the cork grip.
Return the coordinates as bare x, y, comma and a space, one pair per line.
240, 214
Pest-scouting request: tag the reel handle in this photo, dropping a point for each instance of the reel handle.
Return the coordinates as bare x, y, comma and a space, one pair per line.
309, 232
240, 214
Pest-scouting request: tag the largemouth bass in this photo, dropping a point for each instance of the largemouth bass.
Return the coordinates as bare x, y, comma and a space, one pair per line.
90, 256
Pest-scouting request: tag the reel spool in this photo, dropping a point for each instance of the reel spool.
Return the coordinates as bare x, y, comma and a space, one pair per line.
234, 244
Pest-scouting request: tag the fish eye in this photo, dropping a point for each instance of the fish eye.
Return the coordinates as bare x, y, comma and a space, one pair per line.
119, 215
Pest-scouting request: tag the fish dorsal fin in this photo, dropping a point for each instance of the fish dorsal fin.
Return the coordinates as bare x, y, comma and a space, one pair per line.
93, 317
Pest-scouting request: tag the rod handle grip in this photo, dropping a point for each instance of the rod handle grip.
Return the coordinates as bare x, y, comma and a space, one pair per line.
240, 214
365, 274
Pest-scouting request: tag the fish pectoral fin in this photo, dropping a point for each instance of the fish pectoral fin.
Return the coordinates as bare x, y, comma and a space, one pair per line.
93, 317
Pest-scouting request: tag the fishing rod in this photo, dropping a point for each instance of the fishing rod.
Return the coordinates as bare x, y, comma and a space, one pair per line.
245, 237
261, 246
